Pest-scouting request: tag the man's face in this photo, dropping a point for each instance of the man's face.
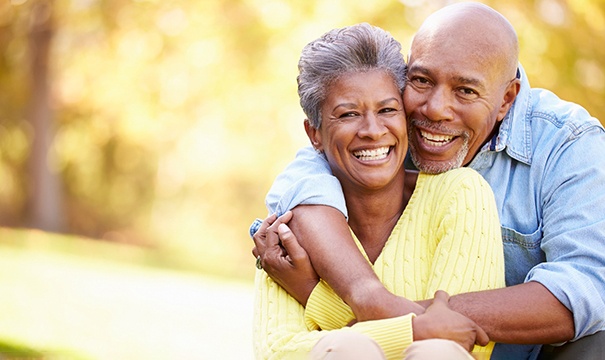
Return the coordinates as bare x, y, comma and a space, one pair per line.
453, 102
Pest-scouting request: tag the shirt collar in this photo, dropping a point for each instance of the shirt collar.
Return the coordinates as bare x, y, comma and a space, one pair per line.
514, 134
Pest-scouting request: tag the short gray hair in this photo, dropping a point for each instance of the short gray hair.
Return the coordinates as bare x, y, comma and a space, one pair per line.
356, 48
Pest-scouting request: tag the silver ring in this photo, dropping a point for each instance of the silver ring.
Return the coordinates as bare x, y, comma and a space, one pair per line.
258, 264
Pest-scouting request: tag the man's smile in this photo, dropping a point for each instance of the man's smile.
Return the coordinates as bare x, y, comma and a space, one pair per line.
435, 139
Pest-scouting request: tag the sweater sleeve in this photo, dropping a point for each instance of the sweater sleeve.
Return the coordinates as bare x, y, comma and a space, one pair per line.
326, 310
280, 331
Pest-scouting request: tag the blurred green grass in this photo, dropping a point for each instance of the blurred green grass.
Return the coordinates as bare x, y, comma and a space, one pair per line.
14, 351
40, 241
18, 351
64, 297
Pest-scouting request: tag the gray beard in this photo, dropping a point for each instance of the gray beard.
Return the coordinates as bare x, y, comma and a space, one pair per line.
437, 167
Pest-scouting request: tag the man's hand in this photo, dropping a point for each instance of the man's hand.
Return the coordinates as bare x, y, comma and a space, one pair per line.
282, 257
439, 321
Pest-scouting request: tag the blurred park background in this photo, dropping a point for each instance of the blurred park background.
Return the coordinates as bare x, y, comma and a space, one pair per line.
139, 137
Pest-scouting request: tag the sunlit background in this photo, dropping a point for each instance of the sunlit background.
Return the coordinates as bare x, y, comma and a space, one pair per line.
137, 142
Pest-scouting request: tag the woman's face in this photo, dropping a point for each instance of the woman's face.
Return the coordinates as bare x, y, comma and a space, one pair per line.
363, 131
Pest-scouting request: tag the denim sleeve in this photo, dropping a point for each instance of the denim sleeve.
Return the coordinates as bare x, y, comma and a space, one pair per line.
307, 180
573, 226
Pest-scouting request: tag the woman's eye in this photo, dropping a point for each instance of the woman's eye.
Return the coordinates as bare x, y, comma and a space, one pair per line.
387, 110
348, 114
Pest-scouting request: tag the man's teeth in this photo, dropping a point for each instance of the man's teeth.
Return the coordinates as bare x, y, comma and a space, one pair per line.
373, 154
436, 139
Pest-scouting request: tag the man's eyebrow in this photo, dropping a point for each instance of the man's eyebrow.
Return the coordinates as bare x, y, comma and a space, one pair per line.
418, 68
469, 81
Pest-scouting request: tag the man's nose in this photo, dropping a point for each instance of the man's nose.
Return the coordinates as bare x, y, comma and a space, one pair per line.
438, 106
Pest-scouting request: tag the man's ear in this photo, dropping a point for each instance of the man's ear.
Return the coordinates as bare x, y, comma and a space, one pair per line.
314, 136
510, 95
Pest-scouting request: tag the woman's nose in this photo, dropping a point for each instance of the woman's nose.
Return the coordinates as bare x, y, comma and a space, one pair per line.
372, 126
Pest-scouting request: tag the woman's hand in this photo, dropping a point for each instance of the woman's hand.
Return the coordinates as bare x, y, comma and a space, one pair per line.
282, 257
440, 322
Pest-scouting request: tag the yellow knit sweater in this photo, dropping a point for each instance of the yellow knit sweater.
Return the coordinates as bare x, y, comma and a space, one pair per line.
447, 238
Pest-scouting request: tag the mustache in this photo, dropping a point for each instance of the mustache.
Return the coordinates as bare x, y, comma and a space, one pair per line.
436, 127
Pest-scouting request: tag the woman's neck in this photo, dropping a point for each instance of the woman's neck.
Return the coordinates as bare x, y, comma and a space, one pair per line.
374, 214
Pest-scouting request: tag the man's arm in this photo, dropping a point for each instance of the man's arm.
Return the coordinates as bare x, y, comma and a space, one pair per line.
323, 232
563, 297
295, 274
522, 314
308, 188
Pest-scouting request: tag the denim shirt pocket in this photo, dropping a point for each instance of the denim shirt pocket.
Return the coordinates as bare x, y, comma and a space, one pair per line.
521, 253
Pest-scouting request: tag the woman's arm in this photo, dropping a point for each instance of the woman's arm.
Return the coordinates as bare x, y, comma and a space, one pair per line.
280, 331
325, 236
459, 328
308, 187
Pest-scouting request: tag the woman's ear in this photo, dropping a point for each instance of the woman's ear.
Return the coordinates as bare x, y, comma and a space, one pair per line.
314, 136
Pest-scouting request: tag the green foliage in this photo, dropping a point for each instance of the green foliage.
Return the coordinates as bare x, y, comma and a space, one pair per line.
17, 351
10, 350
173, 117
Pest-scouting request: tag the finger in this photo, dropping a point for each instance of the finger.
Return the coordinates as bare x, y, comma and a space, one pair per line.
268, 222
260, 235
286, 217
441, 298
291, 245
271, 238
273, 227
482, 338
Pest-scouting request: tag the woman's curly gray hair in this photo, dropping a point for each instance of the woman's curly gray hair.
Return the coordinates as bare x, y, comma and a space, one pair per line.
356, 48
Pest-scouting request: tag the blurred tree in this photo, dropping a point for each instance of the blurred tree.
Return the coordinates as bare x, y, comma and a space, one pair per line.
45, 201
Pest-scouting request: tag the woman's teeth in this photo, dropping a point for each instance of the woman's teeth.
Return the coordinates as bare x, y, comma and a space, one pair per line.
372, 154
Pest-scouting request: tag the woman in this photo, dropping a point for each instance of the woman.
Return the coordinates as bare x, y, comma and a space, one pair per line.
433, 232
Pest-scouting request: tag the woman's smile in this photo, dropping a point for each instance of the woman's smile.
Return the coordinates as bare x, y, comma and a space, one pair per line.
370, 155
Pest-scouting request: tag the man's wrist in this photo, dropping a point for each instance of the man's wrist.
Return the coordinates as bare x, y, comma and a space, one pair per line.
376, 302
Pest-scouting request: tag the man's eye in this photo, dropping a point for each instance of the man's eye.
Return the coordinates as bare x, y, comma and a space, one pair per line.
467, 92
419, 81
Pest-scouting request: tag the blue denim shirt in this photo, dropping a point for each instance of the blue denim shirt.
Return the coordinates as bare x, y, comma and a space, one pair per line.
546, 167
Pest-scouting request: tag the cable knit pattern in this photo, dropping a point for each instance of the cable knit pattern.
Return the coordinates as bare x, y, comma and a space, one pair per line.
447, 238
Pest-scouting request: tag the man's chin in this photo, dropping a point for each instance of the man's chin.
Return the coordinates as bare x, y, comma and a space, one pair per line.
431, 166
435, 166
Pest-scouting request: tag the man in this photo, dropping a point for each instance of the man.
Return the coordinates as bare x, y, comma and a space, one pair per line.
468, 103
